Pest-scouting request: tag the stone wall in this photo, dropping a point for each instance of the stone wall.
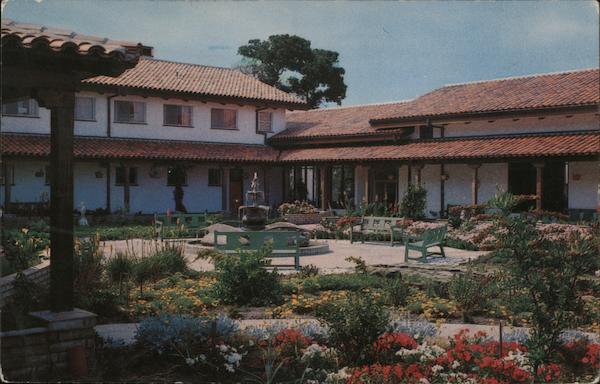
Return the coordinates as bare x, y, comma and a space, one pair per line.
39, 274
51, 351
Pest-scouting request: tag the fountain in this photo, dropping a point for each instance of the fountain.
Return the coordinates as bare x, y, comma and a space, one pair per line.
253, 215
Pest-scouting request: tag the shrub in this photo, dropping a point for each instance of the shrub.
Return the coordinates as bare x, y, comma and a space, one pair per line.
243, 280
396, 291
548, 272
119, 266
417, 329
22, 248
414, 201
296, 207
308, 271
354, 325
470, 292
169, 259
88, 267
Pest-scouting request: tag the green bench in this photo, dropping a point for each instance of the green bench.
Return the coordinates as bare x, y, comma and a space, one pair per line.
430, 238
283, 243
196, 221
373, 225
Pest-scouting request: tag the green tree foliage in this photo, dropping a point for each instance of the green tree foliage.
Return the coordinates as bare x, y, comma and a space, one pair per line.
548, 272
414, 201
289, 63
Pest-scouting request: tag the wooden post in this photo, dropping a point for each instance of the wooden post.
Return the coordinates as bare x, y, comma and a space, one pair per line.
539, 183
598, 194
442, 189
324, 187
223, 190
418, 177
474, 183
367, 193
62, 107
126, 194
108, 187
266, 186
8, 176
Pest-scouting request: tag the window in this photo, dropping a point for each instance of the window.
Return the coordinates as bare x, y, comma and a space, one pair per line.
176, 176
265, 121
11, 173
342, 186
426, 132
223, 118
85, 108
214, 177
120, 176
26, 108
130, 112
178, 115
302, 183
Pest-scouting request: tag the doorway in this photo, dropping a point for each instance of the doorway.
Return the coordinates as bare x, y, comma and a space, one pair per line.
236, 189
522, 179
385, 185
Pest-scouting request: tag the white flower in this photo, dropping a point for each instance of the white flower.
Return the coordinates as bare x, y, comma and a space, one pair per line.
455, 364
223, 348
436, 368
229, 368
189, 361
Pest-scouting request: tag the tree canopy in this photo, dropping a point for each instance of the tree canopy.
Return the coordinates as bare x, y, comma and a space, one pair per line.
289, 63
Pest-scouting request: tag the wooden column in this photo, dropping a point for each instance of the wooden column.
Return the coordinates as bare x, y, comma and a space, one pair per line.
223, 190
8, 176
62, 106
418, 177
108, 210
324, 173
474, 183
443, 178
367, 192
266, 186
126, 191
598, 194
539, 184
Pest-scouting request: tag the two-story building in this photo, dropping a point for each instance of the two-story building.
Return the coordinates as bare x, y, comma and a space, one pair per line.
207, 130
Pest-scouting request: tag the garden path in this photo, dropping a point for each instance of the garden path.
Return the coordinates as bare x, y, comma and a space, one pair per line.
372, 253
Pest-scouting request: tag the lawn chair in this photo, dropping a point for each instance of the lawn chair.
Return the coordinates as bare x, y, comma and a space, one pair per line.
430, 238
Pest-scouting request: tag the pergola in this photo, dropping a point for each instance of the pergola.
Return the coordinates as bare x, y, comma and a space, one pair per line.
48, 64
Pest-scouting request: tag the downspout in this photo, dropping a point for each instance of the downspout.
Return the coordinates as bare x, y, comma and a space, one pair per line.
109, 115
108, 134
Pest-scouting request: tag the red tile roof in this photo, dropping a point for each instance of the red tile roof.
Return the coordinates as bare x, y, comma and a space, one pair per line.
328, 122
129, 149
491, 147
576, 144
161, 75
552, 90
568, 89
61, 40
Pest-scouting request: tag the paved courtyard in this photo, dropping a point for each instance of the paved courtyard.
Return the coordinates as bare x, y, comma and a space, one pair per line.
334, 261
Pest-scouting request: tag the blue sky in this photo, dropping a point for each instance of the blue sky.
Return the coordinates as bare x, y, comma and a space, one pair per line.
390, 50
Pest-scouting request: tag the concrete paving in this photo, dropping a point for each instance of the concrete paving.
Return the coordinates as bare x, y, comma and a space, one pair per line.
372, 253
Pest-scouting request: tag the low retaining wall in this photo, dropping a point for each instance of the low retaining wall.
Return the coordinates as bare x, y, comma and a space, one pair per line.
39, 353
39, 274
305, 218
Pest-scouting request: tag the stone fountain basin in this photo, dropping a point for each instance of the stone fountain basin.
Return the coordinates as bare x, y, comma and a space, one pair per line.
307, 246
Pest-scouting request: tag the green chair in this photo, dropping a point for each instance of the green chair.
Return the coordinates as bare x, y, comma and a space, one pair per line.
283, 244
430, 238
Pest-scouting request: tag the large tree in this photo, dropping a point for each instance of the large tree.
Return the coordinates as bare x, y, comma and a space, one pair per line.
289, 63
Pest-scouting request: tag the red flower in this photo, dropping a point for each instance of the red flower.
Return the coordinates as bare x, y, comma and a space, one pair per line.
395, 341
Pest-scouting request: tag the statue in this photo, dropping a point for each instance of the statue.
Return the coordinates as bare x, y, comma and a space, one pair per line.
83, 222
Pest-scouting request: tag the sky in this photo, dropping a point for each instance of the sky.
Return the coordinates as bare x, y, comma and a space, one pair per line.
390, 50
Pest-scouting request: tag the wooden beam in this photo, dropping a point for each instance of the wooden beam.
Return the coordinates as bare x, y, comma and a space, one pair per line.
62, 107
7, 172
367, 192
126, 189
108, 210
475, 183
324, 173
539, 184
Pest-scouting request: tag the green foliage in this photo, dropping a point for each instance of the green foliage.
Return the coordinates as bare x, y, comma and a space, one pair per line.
354, 324
396, 291
88, 267
120, 266
167, 260
243, 280
414, 201
289, 63
22, 247
471, 292
360, 266
504, 202
309, 270
28, 296
341, 282
548, 273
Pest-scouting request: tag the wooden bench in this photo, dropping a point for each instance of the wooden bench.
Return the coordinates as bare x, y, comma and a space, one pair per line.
196, 221
430, 238
373, 225
283, 243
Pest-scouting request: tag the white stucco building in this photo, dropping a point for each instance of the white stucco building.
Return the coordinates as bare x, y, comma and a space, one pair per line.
208, 129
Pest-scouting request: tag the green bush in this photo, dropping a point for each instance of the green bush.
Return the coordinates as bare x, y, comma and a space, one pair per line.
243, 280
414, 201
396, 291
354, 324
169, 259
120, 266
471, 292
22, 247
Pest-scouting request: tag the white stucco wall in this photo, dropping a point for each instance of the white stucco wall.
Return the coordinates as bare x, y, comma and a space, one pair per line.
430, 180
28, 188
154, 128
492, 177
457, 189
583, 184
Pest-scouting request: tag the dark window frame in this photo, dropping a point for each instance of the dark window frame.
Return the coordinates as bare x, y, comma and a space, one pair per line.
171, 183
116, 113
212, 119
181, 108
133, 176
258, 122
33, 106
93, 108
219, 173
